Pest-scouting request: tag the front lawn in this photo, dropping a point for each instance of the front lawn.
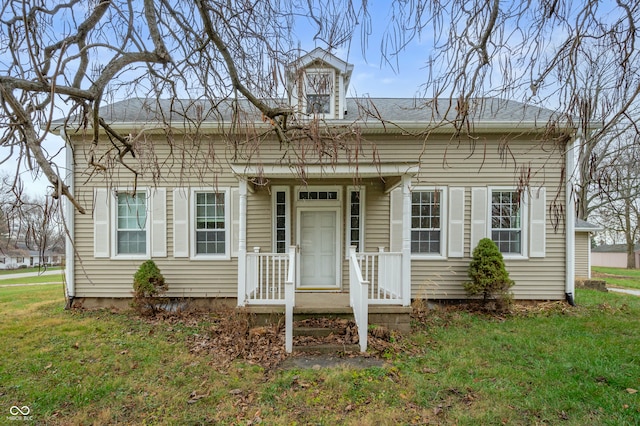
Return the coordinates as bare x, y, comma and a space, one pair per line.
617, 277
551, 364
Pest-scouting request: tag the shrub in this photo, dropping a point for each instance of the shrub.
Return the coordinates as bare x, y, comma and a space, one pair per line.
148, 287
489, 277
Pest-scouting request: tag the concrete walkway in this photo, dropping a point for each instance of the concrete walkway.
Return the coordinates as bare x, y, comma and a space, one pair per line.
30, 274
625, 290
57, 272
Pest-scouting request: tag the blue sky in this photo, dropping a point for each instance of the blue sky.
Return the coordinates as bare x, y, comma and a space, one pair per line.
371, 76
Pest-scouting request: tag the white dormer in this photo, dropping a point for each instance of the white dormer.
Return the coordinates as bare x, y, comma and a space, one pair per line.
317, 84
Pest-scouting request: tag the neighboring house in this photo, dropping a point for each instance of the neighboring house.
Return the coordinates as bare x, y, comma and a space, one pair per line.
22, 256
613, 255
13, 257
584, 231
415, 203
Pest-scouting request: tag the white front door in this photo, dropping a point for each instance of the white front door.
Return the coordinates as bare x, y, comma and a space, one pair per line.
318, 239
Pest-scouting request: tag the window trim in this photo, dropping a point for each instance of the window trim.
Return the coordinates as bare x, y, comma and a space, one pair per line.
348, 229
444, 223
193, 255
114, 224
287, 225
332, 95
524, 220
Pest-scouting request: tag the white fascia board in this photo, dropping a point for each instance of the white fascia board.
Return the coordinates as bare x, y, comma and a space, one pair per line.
337, 171
407, 128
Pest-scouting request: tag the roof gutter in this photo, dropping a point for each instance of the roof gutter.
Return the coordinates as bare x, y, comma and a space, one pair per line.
407, 128
69, 217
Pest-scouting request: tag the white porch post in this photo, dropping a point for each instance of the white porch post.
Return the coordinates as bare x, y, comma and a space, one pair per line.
242, 243
406, 240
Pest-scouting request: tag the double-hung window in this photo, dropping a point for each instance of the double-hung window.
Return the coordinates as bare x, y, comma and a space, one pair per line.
506, 221
319, 90
131, 237
210, 224
427, 227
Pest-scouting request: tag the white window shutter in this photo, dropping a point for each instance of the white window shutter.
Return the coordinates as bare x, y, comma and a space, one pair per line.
159, 222
456, 222
101, 223
181, 222
479, 213
235, 221
395, 220
537, 220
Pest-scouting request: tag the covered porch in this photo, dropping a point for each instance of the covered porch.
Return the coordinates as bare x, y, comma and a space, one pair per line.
324, 266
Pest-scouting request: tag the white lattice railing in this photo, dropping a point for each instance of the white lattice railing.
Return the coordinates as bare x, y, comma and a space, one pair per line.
358, 290
383, 271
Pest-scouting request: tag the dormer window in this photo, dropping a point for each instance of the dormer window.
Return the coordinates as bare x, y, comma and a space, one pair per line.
319, 91
317, 85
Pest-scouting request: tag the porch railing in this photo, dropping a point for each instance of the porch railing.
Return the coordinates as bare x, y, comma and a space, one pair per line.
289, 300
358, 290
266, 277
271, 281
383, 271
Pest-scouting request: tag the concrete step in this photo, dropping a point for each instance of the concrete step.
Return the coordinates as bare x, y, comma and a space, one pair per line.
332, 348
324, 334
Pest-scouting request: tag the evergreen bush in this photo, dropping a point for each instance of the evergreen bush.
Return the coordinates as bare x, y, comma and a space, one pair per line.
148, 287
489, 277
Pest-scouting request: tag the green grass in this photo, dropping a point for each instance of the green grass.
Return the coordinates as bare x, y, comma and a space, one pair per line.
559, 366
617, 277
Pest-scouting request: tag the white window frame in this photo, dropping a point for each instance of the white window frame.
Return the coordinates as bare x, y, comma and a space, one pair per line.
347, 203
274, 205
444, 220
227, 224
114, 224
524, 220
332, 95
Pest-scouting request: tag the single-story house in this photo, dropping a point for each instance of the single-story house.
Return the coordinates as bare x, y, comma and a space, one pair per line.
613, 255
13, 257
584, 231
23, 256
393, 193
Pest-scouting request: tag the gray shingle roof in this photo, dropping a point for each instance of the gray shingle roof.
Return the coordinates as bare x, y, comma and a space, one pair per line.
584, 226
484, 110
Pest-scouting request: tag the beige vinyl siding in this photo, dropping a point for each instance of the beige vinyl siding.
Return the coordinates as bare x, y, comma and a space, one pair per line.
449, 164
114, 277
443, 163
583, 243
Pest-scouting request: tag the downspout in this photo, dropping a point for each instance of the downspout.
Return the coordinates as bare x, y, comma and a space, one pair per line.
69, 217
570, 220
